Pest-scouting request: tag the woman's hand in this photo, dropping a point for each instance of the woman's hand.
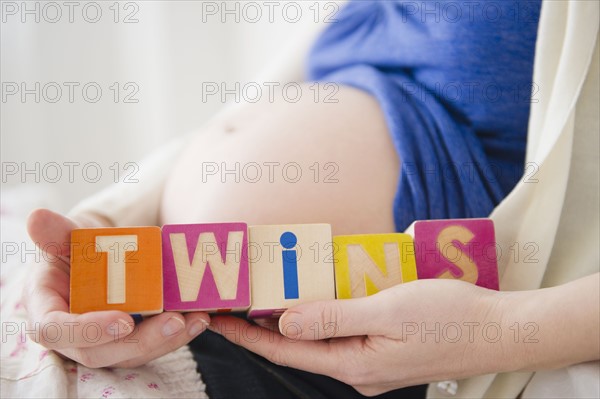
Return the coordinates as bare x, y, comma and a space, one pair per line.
120, 343
426, 331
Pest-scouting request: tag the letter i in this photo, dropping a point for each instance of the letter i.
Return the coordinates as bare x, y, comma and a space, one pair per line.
290, 265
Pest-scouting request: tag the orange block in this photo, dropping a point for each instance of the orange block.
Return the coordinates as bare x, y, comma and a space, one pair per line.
116, 269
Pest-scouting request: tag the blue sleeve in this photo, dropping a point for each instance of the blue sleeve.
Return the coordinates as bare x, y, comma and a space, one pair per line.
454, 80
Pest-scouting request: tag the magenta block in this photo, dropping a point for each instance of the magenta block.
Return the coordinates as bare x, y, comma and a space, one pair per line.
463, 249
205, 267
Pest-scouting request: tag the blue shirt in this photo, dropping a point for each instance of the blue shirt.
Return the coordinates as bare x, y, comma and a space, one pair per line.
454, 80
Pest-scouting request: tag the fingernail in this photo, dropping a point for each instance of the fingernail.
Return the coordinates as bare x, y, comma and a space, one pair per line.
173, 326
125, 326
290, 324
119, 328
197, 327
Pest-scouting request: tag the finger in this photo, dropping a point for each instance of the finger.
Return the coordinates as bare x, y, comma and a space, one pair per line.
270, 324
51, 324
53, 273
196, 323
57, 329
50, 277
46, 299
51, 232
155, 335
336, 318
316, 357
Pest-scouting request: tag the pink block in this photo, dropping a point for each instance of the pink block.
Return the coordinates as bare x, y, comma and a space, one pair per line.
205, 267
463, 249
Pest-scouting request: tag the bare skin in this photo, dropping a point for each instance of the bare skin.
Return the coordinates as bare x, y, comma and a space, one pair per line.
368, 350
351, 135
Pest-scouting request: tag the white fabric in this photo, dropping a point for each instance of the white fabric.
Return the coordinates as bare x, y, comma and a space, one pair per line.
537, 212
576, 251
169, 54
136, 203
29, 370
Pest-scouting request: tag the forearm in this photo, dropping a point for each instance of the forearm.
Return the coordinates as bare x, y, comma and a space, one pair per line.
133, 203
565, 324
91, 220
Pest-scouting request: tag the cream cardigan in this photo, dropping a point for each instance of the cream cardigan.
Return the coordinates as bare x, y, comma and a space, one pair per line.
559, 212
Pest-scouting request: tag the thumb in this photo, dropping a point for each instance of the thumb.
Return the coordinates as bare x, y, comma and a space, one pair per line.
51, 232
335, 318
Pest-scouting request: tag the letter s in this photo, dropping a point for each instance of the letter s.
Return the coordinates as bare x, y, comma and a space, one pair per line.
445, 239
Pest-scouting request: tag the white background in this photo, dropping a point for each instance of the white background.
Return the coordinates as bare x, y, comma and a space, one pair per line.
168, 53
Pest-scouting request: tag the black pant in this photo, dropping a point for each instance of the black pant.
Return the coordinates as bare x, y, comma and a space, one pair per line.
230, 371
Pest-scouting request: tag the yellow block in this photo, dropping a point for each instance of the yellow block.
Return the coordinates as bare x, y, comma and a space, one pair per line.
368, 263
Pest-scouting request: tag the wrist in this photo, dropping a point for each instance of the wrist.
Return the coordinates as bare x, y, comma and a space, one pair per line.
504, 333
520, 319
551, 327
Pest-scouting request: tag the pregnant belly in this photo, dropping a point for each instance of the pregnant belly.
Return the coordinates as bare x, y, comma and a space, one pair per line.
280, 162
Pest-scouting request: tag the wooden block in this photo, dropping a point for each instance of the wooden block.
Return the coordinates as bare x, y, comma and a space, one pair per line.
205, 267
368, 263
116, 269
289, 265
463, 249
